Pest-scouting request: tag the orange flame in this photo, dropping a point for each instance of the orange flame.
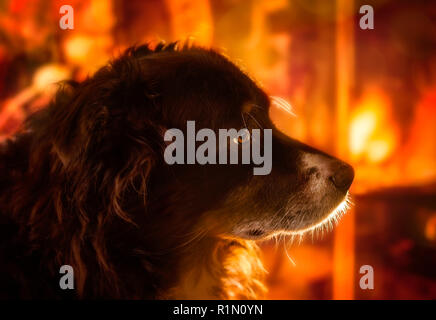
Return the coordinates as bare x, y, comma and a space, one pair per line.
373, 134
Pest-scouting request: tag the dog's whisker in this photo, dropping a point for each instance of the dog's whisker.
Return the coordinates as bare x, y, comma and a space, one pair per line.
257, 106
287, 254
243, 119
255, 120
192, 237
275, 239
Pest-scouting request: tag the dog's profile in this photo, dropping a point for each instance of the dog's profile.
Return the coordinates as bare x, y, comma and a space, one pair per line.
85, 184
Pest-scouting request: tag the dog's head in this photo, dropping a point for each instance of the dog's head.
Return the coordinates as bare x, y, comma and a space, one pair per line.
116, 127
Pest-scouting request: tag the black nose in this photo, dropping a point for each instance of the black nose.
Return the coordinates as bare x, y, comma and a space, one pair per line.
343, 177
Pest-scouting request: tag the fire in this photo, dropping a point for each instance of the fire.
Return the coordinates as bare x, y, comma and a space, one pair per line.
372, 135
379, 157
373, 142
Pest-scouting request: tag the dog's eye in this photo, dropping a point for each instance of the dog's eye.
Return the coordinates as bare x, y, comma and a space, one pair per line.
244, 137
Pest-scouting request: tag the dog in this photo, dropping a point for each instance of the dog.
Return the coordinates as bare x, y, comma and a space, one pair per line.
85, 184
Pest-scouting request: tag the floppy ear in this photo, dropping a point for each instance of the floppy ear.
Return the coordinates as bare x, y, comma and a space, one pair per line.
106, 137
98, 142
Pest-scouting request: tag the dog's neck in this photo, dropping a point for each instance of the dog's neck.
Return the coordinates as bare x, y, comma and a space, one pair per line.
220, 269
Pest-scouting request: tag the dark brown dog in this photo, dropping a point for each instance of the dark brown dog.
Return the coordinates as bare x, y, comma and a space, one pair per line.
85, 184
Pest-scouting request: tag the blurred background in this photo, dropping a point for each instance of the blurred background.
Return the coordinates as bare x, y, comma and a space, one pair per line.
367, 96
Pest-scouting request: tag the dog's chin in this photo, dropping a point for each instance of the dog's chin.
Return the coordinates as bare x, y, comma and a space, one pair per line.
326, 223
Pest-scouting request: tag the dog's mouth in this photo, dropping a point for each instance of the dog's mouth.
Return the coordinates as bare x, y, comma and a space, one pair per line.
329, 221
324, 225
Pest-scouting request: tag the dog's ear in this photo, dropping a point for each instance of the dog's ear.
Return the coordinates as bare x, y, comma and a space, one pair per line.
98, 141
106, 136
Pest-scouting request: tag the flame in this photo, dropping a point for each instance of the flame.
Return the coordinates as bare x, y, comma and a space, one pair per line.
372, 135
375, 148
362, 126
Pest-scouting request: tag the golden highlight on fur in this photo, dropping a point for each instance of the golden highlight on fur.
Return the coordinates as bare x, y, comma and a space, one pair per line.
85, 184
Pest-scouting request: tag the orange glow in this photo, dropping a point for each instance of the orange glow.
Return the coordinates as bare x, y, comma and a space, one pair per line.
343, 248
49, 75
382, 122
78, 48
372, 134
379, 150
430, 228
89, 52
419, 152
374, 142
191, 19
361, 128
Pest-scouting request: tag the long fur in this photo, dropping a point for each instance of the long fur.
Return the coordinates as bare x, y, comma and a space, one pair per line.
74, 189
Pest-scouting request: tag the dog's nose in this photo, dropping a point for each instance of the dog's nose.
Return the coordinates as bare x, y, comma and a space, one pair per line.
343, 177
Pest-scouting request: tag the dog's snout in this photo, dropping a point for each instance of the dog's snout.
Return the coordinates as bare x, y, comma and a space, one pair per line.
343, 176
324, 167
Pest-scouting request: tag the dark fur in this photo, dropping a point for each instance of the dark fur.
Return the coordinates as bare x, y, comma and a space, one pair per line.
85, 184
